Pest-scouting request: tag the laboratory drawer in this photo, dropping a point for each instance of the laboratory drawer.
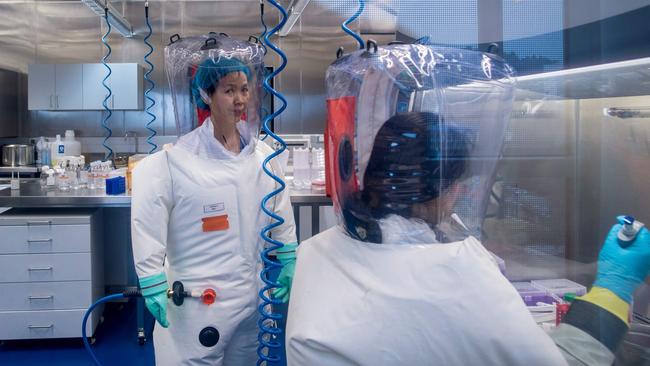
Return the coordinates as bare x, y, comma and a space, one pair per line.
42, 324
45, 295
45, 267
44, 238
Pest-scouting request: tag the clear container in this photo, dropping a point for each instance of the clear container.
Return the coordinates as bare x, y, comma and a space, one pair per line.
301, 168
560, 287
530, 294
51, 179
44, 176
62, 180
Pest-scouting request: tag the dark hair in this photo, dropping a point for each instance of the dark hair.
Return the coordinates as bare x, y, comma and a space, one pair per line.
414, 159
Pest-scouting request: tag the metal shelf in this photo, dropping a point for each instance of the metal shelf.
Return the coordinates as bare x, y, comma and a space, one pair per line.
19, 169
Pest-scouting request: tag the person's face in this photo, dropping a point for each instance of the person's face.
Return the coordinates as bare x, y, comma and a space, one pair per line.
230, 98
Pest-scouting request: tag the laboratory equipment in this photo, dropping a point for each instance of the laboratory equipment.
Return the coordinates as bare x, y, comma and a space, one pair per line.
152, 84
269, 331
177, 294
531, 294
116, 185
351, 19
14, 182
109, 92
559, 287
317, 166
42, 152
301, 169
429, 95
17, 155
629, 229
57, 150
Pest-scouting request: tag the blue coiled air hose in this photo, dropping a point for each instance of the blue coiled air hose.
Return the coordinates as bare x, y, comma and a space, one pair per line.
352, 19
152, 84
109, 113
267, 323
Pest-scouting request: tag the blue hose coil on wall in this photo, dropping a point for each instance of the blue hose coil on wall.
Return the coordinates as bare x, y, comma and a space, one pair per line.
109, 155
266, 323
352, 19
152, 84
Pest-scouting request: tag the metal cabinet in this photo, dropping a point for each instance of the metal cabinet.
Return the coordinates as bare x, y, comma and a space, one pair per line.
54, 87
127, 84
94, 91
41, 86
52, 267
125, 81
79, 86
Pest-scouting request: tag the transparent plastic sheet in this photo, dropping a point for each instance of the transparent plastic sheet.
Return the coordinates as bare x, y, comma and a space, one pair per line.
413, 137
212, 56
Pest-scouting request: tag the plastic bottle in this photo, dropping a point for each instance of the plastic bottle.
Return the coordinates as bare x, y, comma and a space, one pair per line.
57, 149
46, 159
41, 147
72, 146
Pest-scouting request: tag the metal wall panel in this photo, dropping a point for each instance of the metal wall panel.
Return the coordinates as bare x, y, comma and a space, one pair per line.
68, 32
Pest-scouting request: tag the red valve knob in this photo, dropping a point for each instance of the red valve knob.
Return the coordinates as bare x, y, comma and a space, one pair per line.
209, 296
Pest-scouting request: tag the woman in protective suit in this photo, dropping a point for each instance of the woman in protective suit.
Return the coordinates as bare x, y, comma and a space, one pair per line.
196, 214
403, 279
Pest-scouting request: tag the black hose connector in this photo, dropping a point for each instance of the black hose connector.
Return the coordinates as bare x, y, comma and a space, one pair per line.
132, 293
178, 293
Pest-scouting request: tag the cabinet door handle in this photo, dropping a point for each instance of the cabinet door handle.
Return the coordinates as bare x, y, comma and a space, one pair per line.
49, 268
57, 102
30, 241
51, 103
51, 297
40, 326
45, 222
112, 101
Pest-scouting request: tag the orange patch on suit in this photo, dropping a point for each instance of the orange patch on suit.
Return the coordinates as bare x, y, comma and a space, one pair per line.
215, 223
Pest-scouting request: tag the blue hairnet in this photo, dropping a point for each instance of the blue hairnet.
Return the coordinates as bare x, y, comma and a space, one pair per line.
210, 72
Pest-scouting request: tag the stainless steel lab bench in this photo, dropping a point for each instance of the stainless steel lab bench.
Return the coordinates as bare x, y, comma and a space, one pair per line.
31, 195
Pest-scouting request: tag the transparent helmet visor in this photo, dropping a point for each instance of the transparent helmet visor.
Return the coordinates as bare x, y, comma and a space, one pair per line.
413, 137
218, 77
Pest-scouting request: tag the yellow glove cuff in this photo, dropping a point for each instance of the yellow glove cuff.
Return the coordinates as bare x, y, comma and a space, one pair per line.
608, 300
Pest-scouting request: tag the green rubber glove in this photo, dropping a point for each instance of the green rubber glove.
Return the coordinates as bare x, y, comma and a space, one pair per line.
154, 290
287, 256
622, 270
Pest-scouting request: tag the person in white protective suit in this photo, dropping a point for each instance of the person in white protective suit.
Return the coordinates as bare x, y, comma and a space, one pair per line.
196, 214
413, 137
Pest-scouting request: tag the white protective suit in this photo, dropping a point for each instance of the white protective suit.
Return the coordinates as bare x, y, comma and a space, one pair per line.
359, 303
172, 192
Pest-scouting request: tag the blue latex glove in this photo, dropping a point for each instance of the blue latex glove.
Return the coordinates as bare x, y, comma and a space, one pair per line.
154, 290
287, 256
622, 270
